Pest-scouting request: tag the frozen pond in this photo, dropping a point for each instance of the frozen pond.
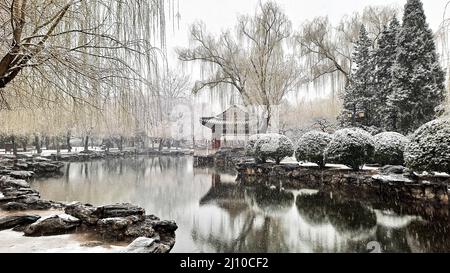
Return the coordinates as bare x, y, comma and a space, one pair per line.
215, 214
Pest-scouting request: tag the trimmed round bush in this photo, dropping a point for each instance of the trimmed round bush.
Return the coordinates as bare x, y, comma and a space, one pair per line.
270, 146
311, 147
250, 147
429, 149
389, 148
352, 147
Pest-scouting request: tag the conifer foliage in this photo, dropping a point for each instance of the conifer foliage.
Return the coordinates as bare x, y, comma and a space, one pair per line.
418, 79
398, 84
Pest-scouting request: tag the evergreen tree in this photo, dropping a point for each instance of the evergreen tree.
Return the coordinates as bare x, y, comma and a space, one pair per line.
358, 94
418, 79
385, 58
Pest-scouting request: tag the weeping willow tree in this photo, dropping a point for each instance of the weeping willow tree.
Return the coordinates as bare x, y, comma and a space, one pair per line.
443, 43
98, 60
252, 58
326, 50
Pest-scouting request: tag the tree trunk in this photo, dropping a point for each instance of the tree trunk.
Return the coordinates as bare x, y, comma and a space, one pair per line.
69, 148
120, 143
86, 144
37, 143
161, 142
14, 146
58, 147
47, 143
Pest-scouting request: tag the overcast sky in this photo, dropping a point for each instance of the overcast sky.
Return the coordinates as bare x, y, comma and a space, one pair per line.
222, 14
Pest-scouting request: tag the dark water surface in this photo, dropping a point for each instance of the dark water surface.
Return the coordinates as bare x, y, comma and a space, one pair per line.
216, 214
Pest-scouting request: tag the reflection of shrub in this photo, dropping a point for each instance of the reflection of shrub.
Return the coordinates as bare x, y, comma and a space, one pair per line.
429, 149
347, 217
311, 147
266, 197
389, 148
352, 147
313, 207
270, 146
351, 217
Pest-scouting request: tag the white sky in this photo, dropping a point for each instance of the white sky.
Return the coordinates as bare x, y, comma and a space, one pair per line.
222, 14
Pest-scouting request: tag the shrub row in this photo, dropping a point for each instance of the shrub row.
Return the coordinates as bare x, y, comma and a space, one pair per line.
428, 149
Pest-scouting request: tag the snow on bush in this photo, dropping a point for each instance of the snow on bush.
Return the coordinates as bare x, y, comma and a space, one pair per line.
311, 147
250, 147
389, 148
270, 146
429, 149
352, 147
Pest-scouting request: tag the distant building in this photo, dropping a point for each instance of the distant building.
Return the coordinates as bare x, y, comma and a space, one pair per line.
230, 128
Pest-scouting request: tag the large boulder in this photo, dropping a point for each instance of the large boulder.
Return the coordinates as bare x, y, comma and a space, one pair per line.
86, 213
53, 225
17, 220
352, 147
147, 245
119, 210
311, 147
389, 148
123, 228
429, 149
21, 174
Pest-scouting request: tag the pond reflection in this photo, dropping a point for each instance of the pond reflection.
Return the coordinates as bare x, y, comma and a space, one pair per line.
216, 214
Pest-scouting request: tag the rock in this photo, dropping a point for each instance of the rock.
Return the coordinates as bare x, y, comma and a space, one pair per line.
14, 206
146, 245
117, 227
41, 159
140, 229
53, 225
21, 166
21, 174
86, 213
164, 226
46, 167
390, 169
119, 210
17, 220
28, 203
14, 183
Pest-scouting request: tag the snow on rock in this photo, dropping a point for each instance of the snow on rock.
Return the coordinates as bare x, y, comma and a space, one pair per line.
389, 148
429, 149
352, 147
311, 147
392, 178
271, 146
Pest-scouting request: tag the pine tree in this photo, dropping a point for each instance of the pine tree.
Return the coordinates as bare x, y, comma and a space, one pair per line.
385, 58
418, 79
358, 94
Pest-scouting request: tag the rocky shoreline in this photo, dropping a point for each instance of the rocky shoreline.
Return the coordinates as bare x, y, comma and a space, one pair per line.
391, 182
98, 155
118, 222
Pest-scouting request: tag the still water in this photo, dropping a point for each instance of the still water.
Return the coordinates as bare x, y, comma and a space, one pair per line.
216, 214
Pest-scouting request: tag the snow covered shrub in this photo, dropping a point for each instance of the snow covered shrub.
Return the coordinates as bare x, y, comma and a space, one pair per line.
389, 148
271, 146
311, 147
250, 147
352, 147
429, 149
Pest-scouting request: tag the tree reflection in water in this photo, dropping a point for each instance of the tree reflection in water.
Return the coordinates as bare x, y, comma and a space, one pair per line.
270, 221
216, 214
